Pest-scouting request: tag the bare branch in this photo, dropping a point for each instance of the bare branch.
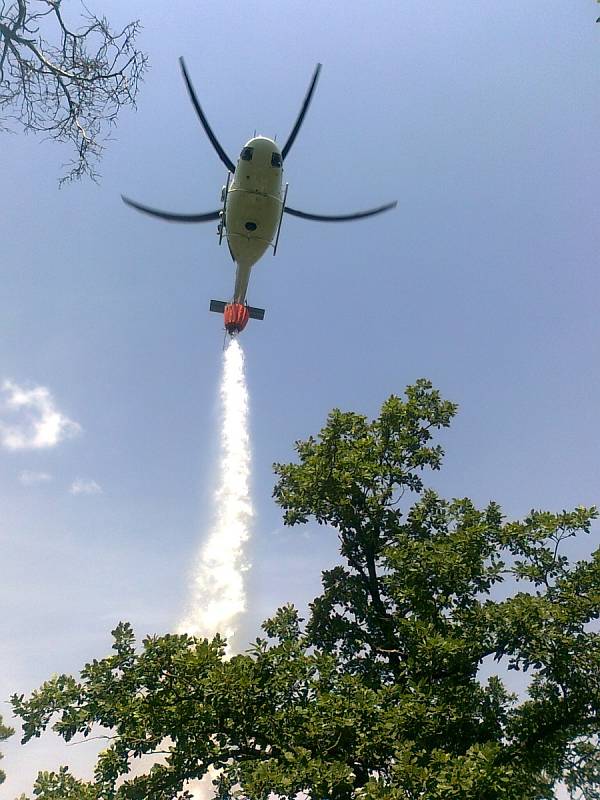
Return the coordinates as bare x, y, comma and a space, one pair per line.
68, 84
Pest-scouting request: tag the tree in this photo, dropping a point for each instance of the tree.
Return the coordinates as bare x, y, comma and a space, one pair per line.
69, 84
377, 695
5, 732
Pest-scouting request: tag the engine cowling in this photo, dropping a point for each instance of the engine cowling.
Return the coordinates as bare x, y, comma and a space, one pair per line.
236, 317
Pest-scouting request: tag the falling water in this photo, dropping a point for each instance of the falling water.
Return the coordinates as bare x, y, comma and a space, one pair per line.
217, 595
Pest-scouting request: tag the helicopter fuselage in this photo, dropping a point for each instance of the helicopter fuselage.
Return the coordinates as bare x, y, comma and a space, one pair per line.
253, 207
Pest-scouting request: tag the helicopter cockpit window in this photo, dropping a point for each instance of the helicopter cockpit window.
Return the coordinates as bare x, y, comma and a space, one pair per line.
246, 154
275, 159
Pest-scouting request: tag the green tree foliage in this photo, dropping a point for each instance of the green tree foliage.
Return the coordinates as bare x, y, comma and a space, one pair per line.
5, 732
377, 695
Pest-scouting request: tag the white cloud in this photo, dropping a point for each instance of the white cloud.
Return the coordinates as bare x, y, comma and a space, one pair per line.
29, 478
29, 419
83, 486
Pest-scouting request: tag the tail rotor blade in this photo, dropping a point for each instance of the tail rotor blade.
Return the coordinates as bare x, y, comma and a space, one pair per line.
301, 115
208, 130
171, 217
340, 217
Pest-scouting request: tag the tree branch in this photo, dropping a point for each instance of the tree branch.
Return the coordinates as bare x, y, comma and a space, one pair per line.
73, 87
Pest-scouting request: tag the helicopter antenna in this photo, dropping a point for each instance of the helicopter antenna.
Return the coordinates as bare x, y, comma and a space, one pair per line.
287, 146
208, 130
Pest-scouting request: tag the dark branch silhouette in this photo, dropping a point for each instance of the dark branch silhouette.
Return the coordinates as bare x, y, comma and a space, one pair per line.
68, 84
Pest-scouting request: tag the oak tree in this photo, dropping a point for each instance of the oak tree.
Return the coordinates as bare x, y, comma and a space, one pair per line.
379, 693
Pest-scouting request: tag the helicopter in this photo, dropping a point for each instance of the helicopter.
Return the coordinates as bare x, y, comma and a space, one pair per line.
254, 201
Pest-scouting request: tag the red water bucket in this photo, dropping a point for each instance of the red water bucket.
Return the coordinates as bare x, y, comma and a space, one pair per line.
236, 317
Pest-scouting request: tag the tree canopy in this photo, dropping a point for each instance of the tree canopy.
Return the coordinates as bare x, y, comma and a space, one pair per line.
376, 694
67, 83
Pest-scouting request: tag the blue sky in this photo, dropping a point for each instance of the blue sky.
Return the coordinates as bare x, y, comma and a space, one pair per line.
480, 118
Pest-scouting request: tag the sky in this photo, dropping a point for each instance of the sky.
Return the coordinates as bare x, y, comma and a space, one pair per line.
480, 118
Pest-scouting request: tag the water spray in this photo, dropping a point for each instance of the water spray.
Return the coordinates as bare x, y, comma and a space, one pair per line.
218, 596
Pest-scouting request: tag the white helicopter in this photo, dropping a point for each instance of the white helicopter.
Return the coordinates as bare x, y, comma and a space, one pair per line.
254, 202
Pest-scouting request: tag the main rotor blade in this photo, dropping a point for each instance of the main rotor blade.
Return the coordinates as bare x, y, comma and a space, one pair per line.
169, 216
303, 110
340, 217
213, 139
